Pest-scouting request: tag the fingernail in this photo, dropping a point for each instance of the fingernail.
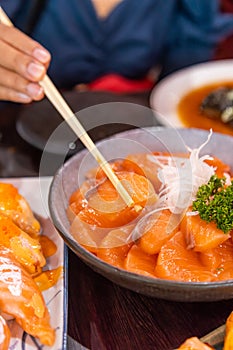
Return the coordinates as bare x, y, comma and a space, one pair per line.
24, 98
35, 70
34, 90
41, 55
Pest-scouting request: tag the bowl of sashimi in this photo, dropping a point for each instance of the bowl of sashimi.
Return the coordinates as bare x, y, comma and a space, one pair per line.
174, 240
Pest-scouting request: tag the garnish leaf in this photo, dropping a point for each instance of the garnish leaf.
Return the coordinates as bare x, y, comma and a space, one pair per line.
214, 202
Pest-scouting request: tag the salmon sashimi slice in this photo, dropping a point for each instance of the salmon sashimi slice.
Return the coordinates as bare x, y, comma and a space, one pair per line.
27, 250
228, 341
15, 206
106, 208
98, 173
155, 229
142, 164
4, 334
139, 262
219, 259
21, 298
202, 235
79, 198
194, 344
88, 236
115, 246
176, 262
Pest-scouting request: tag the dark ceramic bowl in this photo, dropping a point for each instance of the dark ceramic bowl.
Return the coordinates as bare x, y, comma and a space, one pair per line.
69, 177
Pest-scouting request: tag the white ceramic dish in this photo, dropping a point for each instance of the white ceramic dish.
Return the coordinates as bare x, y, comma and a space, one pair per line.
35, 191
168, 92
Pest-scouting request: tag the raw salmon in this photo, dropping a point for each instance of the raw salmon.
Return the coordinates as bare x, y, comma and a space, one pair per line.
27, 250
15, 206
105, 207
88, 236
139, 262
219, 260
98, 173
176, 262
115, 246
159, 227
201, 235
141, 163
21, 298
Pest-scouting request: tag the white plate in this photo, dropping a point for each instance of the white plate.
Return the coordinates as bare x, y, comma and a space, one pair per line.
169, 91
35, 190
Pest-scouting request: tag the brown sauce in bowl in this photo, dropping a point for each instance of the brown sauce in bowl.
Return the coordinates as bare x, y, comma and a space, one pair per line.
191, 116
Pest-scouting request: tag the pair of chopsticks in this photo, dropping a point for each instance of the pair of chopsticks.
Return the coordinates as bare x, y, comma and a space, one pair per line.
62, 107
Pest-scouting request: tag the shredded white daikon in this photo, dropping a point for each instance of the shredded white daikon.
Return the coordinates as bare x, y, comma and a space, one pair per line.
181, 178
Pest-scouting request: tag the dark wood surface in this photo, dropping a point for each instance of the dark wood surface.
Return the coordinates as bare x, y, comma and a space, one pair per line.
101, 314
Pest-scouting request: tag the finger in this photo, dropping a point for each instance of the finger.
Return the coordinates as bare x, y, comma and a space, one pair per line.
14, 81
21, 63
24, 43
7, 94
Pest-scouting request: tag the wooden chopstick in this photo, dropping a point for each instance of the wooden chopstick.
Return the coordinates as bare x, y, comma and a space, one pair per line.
215, 337
68, 115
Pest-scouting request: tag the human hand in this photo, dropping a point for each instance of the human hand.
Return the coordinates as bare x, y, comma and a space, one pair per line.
23, 63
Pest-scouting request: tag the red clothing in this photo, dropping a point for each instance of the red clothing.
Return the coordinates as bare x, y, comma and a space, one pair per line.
225, 48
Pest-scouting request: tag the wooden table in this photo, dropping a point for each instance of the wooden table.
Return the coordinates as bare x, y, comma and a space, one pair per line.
102, 315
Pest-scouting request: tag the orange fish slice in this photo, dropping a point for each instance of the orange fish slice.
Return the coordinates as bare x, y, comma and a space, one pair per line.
157, 229
140, 163
89, 236
21, 298
115, 246
202, 235
15, 206
139, 262
105, 208
219, 260
27, 250
176, 262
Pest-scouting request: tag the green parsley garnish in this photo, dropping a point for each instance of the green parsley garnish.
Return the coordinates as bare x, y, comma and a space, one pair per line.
214, 202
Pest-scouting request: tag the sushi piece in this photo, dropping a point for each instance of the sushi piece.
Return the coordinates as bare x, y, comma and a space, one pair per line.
16, 207
27, 250
21, 298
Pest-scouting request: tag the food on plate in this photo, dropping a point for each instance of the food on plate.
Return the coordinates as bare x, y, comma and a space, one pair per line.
209, 106
21, 298
15, 206
27, 250
219, 104
184, 231
23, 253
